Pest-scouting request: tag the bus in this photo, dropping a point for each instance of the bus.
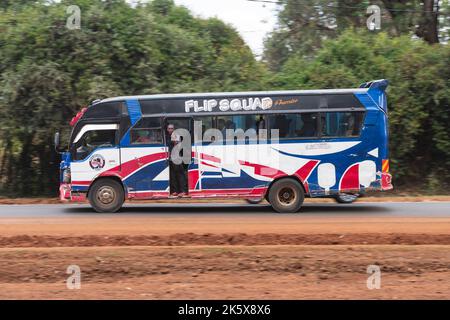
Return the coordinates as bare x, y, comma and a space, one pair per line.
281, 146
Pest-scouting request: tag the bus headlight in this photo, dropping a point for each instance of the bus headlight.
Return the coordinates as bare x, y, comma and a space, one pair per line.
66, 176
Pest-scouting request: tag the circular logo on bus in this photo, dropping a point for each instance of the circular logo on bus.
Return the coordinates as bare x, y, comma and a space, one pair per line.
97, 162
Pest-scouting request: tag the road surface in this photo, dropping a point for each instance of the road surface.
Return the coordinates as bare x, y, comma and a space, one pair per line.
411, 209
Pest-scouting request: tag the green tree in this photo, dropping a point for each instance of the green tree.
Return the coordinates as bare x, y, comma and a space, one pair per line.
418, 95
304, 25
49, 72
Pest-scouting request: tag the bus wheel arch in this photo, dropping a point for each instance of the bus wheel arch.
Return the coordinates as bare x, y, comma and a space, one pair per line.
286, 194
266, 196
106, 194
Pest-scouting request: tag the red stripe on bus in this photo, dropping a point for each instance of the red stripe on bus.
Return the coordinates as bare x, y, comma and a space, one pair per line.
350, 178
262, 170
304, 172
81, 183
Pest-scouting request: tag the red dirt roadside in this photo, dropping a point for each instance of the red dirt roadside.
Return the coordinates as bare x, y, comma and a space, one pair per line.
227, 272
225, 256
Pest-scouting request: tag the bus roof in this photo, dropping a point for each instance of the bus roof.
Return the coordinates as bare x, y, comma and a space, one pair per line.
234, 94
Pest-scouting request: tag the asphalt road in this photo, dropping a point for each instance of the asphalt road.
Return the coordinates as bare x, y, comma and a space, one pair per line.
395, 209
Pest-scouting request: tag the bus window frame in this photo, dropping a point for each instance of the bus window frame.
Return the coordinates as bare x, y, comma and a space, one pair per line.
342, 137
247, 141
320, 135
267, 115
316, 137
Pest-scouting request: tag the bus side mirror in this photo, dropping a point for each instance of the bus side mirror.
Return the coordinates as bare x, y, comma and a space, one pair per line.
56, 139
57, 142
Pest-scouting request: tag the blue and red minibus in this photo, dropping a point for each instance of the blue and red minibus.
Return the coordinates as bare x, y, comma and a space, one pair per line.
281, 146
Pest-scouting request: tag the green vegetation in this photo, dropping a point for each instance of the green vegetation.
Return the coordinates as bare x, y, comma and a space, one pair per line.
418, 96
48, 72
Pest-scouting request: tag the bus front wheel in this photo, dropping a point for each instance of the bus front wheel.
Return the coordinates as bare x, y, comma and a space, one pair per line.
106, 195
286, 196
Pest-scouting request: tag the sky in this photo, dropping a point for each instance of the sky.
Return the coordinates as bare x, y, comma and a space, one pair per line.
253, 20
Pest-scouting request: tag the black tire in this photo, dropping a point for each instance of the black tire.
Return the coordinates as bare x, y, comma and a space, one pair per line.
286, 196
254, 200
106, 195
346, 198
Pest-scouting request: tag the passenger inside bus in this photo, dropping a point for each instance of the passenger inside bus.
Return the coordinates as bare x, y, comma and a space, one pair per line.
230, 125
309, 125
221, 126
260, 123
260, 128
282, 123
143, 136
350, 126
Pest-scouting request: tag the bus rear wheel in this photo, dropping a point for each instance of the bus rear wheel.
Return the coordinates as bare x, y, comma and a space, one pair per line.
286, 196
106, 195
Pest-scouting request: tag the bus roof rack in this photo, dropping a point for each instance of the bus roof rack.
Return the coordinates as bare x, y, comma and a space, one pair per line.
379, 84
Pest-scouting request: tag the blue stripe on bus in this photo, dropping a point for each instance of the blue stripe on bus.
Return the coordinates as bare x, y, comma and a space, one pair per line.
211, 173
79, 188
96, 150
142, 179
242, 181
134, 111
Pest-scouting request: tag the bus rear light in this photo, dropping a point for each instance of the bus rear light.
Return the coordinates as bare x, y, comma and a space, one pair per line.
386, 177
385, 165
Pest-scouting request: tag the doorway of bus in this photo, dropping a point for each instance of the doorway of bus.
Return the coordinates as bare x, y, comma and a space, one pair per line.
178, 172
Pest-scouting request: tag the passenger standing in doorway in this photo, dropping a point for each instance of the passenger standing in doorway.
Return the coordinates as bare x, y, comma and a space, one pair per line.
177, 172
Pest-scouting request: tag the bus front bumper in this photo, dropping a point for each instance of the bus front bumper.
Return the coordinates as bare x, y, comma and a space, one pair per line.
64, 191
66, 194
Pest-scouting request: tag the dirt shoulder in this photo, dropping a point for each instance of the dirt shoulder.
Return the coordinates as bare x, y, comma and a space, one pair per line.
227, 272
224, 256
233, 239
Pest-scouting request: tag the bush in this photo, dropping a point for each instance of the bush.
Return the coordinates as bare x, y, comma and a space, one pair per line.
418, 95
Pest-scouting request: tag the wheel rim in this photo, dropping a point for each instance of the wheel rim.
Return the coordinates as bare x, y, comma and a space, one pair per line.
106, 195
287, 196
348, 197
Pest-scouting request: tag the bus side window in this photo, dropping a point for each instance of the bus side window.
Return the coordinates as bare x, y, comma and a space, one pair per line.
147, 131
341, 124
295, 125
249, 123
206, 123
